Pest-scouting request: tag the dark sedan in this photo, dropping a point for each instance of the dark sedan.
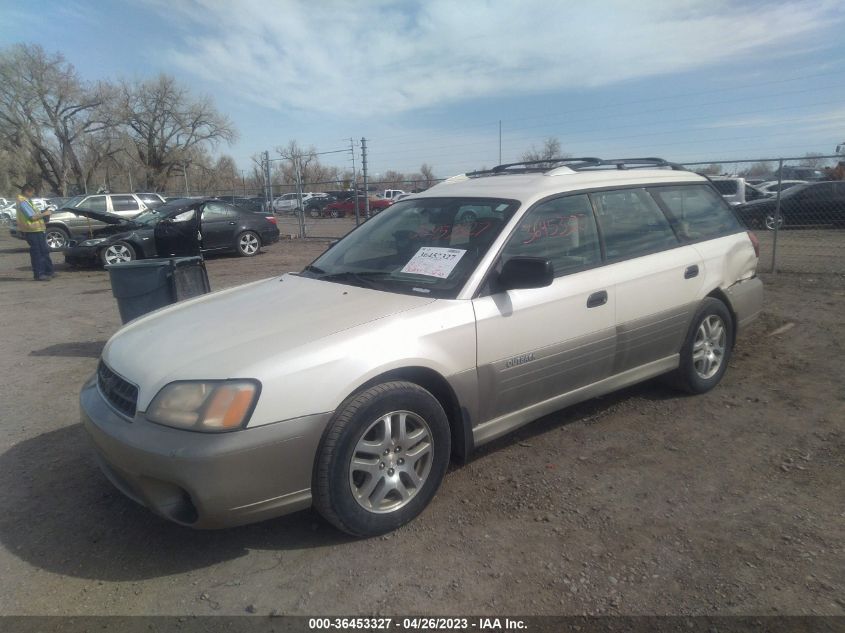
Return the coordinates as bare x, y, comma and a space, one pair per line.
222, 227
811, 204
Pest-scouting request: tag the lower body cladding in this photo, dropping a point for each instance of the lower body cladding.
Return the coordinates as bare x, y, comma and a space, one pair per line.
205, 480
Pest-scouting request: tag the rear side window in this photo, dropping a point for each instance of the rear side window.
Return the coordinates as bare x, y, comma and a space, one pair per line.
697, 212
95, 203
124, 203
562, 230
632, 224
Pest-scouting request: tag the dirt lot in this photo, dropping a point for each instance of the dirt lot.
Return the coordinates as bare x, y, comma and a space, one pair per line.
643, 502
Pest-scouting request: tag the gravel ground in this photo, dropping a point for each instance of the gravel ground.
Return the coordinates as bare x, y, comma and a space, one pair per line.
643, 502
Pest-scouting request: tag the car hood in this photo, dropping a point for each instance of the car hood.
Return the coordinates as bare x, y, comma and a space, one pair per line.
236, 332
102, 216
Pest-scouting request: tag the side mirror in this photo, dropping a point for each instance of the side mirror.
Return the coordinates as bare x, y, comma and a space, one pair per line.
526, 272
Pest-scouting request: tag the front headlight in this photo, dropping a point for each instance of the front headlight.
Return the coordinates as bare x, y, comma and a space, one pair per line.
211, 405
93, 242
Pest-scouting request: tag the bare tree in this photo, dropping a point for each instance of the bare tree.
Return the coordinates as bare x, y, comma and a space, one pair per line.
550, 149
813, 160
168, 126
428, 177
46, 113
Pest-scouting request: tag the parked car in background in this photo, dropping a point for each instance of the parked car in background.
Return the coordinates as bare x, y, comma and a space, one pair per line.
790, 172
289, 202
392, 194
223, 227
736, 190
345, 208
770, 187
420, 336
315, 207
65, 225
808, 204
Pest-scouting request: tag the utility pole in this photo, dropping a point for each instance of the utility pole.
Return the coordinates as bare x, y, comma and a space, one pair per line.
354, 182
297, 163
268, 183
500, 141
185, 172
366, 187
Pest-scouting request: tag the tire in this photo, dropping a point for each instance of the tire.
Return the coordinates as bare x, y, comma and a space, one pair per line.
314, 212
117, 253
769, 222
248, 244
57, 238
707, 348
380, 489
334, 213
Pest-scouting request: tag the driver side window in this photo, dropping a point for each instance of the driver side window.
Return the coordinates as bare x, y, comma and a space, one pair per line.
562, 230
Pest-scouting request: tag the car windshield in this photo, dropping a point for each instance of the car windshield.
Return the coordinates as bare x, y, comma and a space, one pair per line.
73, 202
427, 246
153, 216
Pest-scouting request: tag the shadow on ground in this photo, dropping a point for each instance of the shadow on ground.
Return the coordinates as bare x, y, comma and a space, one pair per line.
85, 349
63, 516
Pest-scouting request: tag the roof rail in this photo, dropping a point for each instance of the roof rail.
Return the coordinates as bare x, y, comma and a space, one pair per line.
533, 166
641, 163
575, 164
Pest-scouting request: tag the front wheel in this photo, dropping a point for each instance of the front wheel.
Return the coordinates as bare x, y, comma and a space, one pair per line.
56, 238
314, 212
248, 244
117, 253
382, 459
707, 348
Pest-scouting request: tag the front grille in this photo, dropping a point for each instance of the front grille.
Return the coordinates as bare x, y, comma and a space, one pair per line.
122, 395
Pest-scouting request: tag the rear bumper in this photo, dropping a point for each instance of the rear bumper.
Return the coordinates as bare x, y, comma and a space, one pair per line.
746, 298
205, 480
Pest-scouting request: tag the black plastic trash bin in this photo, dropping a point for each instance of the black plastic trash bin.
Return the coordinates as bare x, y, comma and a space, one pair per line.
149, 284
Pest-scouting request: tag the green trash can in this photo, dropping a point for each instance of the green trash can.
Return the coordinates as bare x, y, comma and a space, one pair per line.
145, 285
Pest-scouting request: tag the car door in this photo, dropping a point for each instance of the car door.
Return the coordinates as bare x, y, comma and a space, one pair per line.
815, 205
219, 225
656, 278
536, 344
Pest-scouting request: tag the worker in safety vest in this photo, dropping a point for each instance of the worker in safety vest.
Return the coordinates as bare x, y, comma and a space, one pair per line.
32, 227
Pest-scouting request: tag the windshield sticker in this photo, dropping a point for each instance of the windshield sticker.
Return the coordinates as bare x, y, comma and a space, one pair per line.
434, 262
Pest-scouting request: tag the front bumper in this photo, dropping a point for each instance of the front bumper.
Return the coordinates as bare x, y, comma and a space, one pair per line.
82, 255
205, 480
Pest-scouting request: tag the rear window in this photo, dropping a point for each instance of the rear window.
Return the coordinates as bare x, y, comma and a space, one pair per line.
696, 212
726, 187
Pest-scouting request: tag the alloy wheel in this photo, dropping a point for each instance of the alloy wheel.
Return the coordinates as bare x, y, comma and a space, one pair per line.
391, 462
708, 350
117, 254
248, 243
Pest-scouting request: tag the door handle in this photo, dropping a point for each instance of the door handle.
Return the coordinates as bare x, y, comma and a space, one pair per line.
691, 271
233, 223
597, 299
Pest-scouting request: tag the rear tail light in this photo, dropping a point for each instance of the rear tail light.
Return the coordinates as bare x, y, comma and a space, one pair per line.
755, 243
272, 219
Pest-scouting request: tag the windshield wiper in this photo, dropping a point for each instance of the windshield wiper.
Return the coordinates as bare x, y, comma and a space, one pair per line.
365, 279
314, 269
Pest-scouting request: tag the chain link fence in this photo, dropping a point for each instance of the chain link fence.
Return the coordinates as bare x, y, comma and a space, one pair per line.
796, 207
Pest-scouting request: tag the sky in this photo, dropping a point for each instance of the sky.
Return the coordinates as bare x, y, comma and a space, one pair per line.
462, 85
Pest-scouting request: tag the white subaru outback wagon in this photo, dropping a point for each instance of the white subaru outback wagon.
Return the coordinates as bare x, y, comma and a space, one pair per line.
452, 318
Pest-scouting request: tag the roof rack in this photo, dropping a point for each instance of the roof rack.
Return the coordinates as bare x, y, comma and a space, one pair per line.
535, 166
575, 164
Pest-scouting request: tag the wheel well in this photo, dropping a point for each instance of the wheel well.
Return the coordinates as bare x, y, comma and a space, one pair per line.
56, 225
717, 293
438, 386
